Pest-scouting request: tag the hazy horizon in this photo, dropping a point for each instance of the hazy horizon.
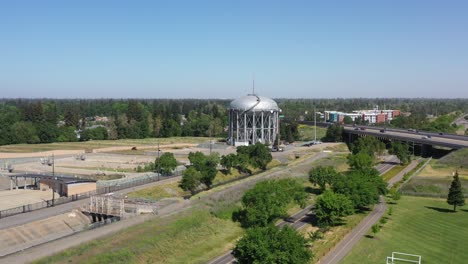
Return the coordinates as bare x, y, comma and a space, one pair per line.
211, 49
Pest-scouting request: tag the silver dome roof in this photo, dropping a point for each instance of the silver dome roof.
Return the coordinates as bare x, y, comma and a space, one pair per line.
254, 103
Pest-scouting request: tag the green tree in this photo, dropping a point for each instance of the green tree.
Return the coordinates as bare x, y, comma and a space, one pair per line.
395, 194
260, 156
322, 176
375, 229
347, 120
455, 195
361, 187
370, 145
190, 180
206, 165
67, 134
265, 245
24, 132
228, 161
210, 170
268, 200
401, 151
360, 161
334, 133
98, 133
331, 207
47, 132
166, 163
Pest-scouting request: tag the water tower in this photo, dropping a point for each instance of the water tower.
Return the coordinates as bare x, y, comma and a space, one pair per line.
253, 119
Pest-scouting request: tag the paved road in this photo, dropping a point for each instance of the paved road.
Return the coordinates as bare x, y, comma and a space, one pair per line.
343, 248
401, 174
297, 221
345, 245
388, 164
301, 218
451, 141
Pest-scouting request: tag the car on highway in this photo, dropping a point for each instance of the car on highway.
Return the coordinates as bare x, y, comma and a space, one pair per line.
383, 130
363, 128
440, 133
425, 137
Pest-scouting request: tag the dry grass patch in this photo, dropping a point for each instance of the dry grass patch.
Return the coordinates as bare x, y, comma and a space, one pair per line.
166, 190
96, 144
195, 237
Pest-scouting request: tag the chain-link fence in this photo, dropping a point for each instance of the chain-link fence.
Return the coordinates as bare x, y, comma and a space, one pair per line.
112, 186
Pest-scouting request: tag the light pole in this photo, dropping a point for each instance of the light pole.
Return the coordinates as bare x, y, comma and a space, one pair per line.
315, 127
54, 178
159, 164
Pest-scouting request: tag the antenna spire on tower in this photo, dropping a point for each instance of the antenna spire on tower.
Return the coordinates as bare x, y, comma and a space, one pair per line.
253, 83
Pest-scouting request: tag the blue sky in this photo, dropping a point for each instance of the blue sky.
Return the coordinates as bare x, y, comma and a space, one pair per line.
210, 49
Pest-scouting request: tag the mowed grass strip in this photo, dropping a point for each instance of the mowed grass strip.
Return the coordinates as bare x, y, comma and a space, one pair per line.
195, 238
393, 172
421, 226
331, 238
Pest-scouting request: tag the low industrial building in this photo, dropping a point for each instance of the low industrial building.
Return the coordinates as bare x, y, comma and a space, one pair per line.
63, 185
374, 116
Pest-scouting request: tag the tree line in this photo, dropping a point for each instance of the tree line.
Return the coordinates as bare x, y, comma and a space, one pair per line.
59, 120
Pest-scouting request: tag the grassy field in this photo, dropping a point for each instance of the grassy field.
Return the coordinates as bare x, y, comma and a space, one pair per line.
436, 177
338, 161
422, 226
306, 132
23, 148
166, 190
195, 238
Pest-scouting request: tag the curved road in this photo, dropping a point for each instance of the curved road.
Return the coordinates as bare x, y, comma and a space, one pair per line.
301, 218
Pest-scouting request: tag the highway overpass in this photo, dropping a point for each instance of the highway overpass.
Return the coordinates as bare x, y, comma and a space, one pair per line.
420, 137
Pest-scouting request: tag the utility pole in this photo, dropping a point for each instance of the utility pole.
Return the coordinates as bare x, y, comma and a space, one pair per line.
55, 179
315, 127
159, 163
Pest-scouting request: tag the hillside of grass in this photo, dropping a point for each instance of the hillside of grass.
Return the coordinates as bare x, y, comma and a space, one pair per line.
421, 226
195, 238
455, 158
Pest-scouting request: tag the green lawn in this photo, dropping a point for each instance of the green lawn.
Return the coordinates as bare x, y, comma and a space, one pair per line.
421, 226
195, 238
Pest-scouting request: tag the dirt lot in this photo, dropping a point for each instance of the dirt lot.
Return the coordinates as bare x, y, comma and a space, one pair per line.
15, 198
